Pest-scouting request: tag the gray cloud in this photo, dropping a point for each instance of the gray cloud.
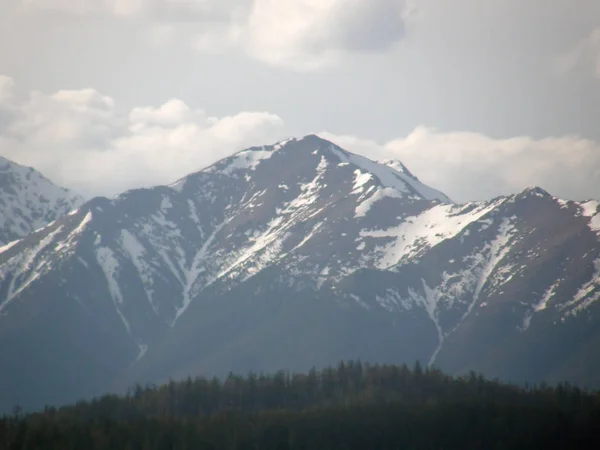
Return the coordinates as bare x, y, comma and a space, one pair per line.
296, 34
306, 34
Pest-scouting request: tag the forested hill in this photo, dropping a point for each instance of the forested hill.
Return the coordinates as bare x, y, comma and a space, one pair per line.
353, 406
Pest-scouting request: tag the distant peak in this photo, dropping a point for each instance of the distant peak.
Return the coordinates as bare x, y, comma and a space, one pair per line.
311, 136
309, 142
310, 139
535, 191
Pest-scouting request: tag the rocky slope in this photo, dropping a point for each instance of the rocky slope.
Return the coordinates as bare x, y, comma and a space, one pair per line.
294, 255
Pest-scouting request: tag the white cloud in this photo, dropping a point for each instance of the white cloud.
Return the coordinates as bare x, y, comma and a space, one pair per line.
472, 166
80, 139
296, 34
170, 114
309, 34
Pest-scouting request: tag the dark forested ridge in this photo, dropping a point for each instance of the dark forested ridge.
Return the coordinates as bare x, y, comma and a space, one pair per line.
353, 406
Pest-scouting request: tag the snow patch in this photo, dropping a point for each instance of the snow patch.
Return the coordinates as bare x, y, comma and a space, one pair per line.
473, 279
245, 160
137, 254
196, 269
143, 349
110, 267
392, 301
497, 251
360, 179
71, 240
8, 246
359, 301
27, 267
429, 302
419, 233
386, 176
83, 262
28, 201
587, 294
364, 207
590, 209
391, 176
543, 303
165, 204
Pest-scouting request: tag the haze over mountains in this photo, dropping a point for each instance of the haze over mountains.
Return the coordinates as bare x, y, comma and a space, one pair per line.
292, 255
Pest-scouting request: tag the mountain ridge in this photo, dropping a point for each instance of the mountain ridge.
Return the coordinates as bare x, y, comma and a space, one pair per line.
293, 255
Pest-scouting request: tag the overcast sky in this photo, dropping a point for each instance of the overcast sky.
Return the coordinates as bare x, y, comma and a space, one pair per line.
478, 98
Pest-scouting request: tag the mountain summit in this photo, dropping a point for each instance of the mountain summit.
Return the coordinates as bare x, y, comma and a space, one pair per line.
295, 255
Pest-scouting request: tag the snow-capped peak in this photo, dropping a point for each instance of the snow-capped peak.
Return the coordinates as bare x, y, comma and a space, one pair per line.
534, 191
398, 166
300, 157
29, 201
392, 174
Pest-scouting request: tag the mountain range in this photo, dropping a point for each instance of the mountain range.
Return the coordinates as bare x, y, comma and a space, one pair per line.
292, 255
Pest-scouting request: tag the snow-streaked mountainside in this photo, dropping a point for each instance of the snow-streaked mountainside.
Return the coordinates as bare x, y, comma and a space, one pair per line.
29, 201
294, 255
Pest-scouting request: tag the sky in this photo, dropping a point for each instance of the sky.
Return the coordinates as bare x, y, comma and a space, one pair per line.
477, 98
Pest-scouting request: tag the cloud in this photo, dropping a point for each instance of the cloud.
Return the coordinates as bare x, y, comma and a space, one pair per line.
309, 34
472, 166
159, 10
295, 34
194, 10
584, 55
121, 8
80, 139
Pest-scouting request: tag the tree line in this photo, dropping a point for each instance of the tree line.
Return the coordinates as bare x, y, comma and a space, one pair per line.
351, 406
